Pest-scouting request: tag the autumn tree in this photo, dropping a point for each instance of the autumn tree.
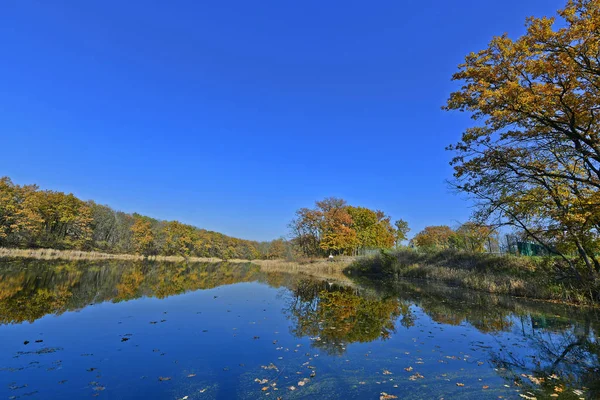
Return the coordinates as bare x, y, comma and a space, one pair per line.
373, 228
473, 237
278, 249
532, 158
306, 231
401, 232
337, 235
179, 239
434, 237
142, 236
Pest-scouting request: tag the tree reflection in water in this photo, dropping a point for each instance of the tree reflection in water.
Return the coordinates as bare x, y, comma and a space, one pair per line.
335, 316
546, 349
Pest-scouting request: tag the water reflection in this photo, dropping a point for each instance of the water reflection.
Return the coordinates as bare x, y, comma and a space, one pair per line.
540, 349
554, 350
335, 316
31, 289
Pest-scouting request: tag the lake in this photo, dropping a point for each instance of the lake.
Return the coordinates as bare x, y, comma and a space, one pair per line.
122, 330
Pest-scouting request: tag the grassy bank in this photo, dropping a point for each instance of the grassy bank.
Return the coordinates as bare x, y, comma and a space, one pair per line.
318, 268
531, 277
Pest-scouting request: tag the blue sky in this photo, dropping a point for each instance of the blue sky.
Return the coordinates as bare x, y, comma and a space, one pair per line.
230, 115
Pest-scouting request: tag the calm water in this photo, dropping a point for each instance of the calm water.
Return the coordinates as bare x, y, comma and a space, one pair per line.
222, 331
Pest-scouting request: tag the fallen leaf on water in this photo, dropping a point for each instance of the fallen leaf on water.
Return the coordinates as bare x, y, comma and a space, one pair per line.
460, 384
408, 369
191, 375
416, 376
270, 366
264, 389
164, 378
386, 372
385, 396
292, 388
486, 387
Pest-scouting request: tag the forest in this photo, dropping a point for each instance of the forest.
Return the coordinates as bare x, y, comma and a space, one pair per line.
34, 218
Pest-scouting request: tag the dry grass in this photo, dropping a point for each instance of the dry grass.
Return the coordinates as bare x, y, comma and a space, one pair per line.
332, 271
518, 276
74, 255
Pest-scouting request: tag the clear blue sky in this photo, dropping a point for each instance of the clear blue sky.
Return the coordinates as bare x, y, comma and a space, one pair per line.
230, 115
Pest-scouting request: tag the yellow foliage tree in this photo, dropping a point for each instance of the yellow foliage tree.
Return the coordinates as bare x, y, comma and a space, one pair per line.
533, 159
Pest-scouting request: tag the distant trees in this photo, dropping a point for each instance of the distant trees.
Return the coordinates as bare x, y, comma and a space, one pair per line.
434, 237
335, 227
278, 249
533, 160
30, 217
468, 237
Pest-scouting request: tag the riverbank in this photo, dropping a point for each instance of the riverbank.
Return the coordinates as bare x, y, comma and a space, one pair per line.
75, 255
314, 267
529, 277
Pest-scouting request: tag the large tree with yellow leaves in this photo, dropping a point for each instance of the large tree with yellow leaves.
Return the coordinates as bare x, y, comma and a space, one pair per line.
532, 157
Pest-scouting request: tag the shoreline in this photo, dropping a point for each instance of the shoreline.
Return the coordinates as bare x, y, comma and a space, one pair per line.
317, 268
524, 278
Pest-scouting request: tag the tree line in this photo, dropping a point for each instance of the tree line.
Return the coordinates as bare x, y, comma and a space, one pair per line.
34, 218
470, 236
531, 160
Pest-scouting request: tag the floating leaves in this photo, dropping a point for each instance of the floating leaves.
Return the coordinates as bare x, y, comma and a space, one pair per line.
385, 396
415, 377
271, 366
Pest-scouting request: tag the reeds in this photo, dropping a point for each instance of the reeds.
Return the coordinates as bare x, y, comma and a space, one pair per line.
535, 278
